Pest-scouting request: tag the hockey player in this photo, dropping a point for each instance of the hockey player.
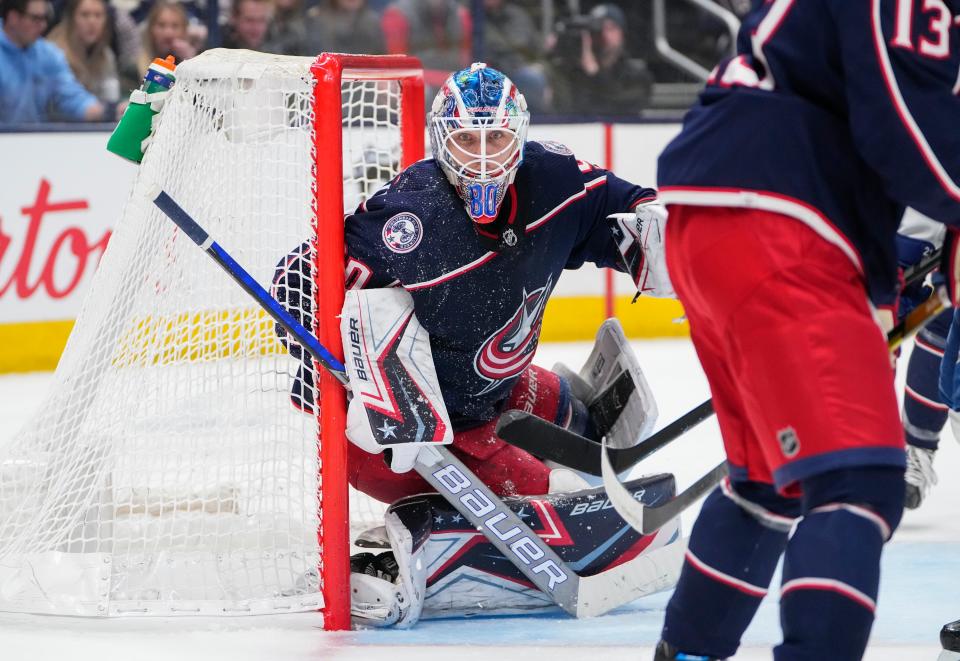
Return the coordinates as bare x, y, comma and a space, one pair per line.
478, 236
785, 189
924, 414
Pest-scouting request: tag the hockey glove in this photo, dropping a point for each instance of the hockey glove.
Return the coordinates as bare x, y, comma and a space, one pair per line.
639, 236
396, 402
910, 252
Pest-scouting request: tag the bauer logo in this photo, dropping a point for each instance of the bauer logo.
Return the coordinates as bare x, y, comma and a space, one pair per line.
493, 518
403, 232
789, 443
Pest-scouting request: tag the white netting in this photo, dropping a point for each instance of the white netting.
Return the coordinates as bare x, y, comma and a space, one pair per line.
167, 471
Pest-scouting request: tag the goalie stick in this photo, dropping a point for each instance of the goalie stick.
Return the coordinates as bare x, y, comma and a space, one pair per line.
580, 596
554, 443
647, 519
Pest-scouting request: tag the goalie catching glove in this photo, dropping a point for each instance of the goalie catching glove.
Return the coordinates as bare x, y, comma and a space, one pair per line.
639, 236
396, 403
611, 383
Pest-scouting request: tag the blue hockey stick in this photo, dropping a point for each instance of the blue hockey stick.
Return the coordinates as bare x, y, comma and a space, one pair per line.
305, 338
581, 596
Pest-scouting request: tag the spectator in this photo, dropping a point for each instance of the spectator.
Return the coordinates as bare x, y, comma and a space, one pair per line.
165, 34
36, 84
287, 34
344, 26
126, 43
249, 24
513, 44
601, 78
84, 37
196, 13
436, 31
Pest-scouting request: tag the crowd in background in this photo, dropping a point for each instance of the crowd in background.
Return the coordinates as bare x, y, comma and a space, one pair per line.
76, 60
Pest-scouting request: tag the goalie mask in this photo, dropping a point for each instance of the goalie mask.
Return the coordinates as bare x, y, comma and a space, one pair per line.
478, 128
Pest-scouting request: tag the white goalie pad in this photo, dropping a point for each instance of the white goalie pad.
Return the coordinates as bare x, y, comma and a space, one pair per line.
396, 402
377, 602
611, 357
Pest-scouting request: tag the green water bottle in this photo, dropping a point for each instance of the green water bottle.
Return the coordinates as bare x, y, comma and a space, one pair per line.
134, 127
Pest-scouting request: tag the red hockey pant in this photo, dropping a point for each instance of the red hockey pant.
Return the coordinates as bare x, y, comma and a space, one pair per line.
798, 368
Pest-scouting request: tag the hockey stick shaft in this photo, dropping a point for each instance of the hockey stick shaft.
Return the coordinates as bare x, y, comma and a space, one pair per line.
470, 496
198, 235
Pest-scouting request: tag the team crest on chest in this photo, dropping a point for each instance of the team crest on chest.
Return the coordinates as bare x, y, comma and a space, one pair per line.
403, 232
509, 350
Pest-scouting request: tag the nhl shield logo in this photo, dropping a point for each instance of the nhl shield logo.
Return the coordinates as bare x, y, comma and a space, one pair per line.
403, 232
789, 443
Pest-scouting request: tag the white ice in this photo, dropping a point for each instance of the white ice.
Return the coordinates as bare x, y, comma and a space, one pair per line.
917, 593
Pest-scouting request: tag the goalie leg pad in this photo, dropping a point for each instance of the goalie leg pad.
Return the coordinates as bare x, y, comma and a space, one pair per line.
466, 575
378, 601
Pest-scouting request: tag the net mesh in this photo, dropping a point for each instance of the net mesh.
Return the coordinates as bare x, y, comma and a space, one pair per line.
167, 471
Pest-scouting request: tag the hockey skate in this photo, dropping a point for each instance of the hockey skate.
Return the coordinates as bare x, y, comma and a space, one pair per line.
667, 652
919, 476
950, 642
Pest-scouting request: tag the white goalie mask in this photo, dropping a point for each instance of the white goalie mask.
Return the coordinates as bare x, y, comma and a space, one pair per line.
478, 128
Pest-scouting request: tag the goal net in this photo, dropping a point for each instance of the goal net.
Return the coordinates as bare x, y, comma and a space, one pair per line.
168, 471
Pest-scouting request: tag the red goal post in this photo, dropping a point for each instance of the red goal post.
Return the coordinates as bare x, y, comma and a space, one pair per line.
330, 71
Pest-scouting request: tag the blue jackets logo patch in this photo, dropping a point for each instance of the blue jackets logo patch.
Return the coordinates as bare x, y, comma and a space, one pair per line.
556, 147
403, 232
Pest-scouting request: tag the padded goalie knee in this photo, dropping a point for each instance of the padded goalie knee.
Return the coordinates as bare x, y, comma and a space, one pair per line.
611, 383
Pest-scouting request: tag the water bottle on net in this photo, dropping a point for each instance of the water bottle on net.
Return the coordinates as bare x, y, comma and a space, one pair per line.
136, 124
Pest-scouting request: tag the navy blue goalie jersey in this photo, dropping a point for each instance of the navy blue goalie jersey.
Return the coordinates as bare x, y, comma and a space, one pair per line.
480, 291
838, 113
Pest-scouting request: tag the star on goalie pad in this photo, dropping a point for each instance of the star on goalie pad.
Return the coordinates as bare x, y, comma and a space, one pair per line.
392, 376
387, 430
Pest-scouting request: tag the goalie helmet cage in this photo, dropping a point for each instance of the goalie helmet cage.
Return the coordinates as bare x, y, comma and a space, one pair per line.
168, 471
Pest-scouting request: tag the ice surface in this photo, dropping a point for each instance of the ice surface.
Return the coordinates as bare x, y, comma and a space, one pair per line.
920, 570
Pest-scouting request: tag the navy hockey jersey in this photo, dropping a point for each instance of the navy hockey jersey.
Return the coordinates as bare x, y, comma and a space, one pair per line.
838, 113
481, 291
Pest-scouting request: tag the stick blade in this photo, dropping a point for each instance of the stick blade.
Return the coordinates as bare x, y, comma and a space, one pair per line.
647, 519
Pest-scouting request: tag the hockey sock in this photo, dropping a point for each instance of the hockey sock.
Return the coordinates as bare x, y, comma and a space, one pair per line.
831, 569
924, 415
733, 552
